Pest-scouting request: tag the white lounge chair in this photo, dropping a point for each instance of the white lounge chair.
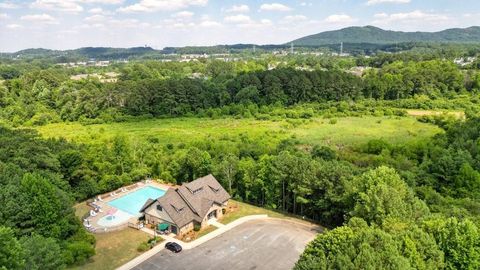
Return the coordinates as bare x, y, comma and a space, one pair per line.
93, 213
100, 198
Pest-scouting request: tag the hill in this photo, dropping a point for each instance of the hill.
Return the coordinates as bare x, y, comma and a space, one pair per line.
85, 53
375, 35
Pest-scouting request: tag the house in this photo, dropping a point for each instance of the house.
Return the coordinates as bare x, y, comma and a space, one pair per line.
192, 204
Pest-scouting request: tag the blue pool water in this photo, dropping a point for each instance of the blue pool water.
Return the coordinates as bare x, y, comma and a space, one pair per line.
133, 202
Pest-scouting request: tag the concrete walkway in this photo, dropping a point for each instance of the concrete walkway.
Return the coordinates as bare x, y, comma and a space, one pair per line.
215, 223
221, 229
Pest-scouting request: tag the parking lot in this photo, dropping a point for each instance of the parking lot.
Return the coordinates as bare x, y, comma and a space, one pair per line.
259, 244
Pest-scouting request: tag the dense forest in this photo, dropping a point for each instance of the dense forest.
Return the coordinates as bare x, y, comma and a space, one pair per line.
167, 89
389, 206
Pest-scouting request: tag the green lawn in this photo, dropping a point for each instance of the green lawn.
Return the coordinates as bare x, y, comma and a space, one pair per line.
115, 249
236, 210
205, 231
347, 131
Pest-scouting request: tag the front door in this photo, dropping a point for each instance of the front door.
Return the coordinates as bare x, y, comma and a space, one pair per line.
212, 214
174, 229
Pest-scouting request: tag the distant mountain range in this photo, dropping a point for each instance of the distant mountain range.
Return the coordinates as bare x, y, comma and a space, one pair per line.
366, 39
375, 35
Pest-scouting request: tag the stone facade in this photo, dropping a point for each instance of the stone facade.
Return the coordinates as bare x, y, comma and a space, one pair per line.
155, 217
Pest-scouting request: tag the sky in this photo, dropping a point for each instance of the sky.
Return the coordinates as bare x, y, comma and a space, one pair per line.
70, 24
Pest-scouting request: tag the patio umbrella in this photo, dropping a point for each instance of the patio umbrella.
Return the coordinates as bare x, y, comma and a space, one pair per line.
163, 226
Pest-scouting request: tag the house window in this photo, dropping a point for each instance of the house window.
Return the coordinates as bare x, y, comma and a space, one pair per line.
197, 190
214, 189
180, 209
159, 207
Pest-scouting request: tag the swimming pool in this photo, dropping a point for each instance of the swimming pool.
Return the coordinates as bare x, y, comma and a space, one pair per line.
133, 202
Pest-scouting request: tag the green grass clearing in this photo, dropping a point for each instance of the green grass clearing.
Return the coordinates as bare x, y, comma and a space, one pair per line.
350, 131
347, 131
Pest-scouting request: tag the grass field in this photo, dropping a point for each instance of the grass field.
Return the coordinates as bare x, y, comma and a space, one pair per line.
346, 131
115, 249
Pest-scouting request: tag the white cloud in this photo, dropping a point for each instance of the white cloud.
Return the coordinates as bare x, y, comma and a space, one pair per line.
106, 2
161, 5
96, 10
100, 11
13, 26
183, 14
274, 7
376, 2
4, 16
209, 23
416, 16
128, 23
244, 21
239, 19
40, 18
380, 15
238, 9
8, 5
266, 22
339, 19
294, 18
95, 18
57, 5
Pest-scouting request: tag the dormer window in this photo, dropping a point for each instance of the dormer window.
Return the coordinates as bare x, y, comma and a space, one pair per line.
180, 209
215, 189
159, 207
197, 190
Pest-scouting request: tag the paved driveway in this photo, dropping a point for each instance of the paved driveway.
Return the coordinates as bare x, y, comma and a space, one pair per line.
260, 244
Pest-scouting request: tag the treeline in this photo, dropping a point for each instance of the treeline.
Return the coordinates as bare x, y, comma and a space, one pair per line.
44, 96
38, 226
427, 219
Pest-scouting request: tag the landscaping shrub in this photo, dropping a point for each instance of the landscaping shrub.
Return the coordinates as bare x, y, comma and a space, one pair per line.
143, 247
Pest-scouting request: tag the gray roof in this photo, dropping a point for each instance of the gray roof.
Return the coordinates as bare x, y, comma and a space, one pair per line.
191, 201
147, 204
202, 193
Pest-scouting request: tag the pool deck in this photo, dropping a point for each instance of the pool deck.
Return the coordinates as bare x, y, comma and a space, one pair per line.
105, 207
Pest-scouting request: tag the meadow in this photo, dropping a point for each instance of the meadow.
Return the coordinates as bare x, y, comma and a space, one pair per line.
339, 132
